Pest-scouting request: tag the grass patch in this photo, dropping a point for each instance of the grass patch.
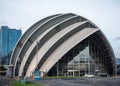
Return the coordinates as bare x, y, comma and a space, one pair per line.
64, 77
27, 83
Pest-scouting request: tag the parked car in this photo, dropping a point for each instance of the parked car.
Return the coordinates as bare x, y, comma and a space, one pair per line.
89, 76
103, 74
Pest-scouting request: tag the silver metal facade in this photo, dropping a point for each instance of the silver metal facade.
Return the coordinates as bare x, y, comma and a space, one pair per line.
48, 40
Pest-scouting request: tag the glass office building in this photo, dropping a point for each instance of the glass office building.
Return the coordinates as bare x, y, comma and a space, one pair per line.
8, 39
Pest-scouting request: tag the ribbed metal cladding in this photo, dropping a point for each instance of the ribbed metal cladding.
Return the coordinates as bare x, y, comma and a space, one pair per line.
25, 36
47, 31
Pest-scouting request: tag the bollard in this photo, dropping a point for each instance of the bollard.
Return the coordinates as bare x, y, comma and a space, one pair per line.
32, 77
22, 80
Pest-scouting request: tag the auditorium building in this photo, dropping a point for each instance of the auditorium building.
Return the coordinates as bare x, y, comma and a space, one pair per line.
63, 45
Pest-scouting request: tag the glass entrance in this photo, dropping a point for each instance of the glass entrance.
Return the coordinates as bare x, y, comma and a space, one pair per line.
84, 58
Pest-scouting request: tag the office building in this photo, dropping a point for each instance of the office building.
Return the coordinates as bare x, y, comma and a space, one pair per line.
8, 39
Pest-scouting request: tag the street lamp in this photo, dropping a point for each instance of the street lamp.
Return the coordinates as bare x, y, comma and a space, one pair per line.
37, 42
116, 67
36, 73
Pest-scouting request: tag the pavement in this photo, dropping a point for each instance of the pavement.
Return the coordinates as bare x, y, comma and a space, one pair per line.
4, 81
79, 82
110, 81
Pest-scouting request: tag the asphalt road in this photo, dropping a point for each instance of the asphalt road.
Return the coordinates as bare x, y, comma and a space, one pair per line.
69, 81
81, 82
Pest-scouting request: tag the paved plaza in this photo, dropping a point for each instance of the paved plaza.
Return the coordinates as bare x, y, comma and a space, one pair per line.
5, 81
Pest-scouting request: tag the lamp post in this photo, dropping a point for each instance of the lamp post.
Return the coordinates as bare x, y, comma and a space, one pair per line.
116, 67
79, 64
37, 42
89, 64
57, 68
36, 73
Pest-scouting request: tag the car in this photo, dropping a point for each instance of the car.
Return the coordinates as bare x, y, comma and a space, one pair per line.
89, 76
103, 74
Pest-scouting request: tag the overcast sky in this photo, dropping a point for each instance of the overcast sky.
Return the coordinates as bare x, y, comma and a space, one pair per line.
104, 13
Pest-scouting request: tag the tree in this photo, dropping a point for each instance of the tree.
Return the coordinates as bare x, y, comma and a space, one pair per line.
2, 70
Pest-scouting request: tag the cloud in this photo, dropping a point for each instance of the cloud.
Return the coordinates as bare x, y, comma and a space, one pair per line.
3, 22
117, 38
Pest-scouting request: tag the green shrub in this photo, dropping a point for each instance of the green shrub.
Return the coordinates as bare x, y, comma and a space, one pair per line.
2, 70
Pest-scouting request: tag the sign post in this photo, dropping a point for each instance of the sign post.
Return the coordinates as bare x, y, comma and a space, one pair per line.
36, 75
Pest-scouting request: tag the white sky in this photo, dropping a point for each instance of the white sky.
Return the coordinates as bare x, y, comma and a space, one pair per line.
104, 13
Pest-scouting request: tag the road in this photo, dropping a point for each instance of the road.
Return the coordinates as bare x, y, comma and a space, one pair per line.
80, 82
69, 81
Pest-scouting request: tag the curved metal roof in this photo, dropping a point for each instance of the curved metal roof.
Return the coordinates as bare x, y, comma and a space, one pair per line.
54, 36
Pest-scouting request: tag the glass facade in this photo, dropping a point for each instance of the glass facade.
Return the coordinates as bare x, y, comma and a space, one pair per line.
8, 39
84, 58
118, 61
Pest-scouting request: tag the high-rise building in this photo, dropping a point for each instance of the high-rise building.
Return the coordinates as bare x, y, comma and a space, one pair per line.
8, 39
118, 66
118, 61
